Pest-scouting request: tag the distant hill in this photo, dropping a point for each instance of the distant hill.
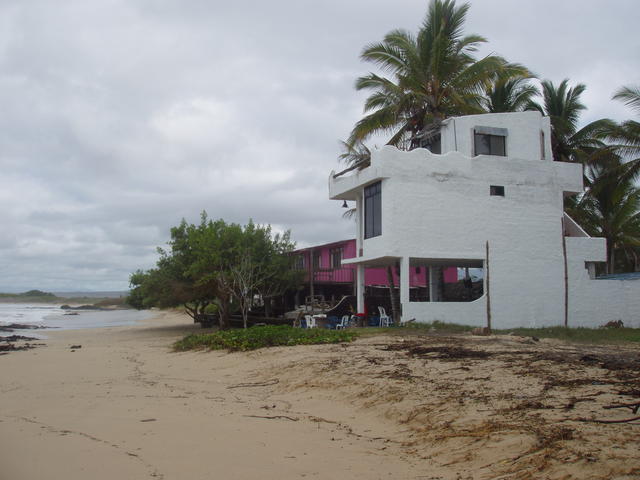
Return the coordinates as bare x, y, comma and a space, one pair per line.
102, 299
31, 294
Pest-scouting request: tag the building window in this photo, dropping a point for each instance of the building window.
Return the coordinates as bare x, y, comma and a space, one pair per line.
373, 210
336, 258
496, 190
490, 141
542, 153
317, 260
299, 265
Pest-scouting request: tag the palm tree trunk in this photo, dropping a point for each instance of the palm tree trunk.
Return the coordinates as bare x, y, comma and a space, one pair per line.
611, 257
393, 297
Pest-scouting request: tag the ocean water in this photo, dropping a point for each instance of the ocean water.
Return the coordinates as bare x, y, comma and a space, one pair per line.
54, 318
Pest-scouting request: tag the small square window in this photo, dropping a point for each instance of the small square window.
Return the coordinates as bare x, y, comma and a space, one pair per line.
496, 190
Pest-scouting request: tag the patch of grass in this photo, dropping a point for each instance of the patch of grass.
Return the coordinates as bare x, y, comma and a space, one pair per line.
586, 335
415, 328
261, 337
440, 327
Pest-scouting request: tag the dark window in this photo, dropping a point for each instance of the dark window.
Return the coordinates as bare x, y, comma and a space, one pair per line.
300, 262
485, 144
373, 210
542, 154
317, 260
336, 258
497, 190
490, 141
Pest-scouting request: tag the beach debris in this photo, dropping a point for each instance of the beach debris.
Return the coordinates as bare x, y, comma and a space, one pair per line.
20, 326
148, 420
613, 324
439, 352
273, 417
11, 347
75, 347
256, 384
483, 331
15, 338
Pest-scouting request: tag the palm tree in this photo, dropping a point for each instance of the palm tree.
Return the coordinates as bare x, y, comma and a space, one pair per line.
509, 94
563, 106
626, 136
610, 208
358, 156
433, 75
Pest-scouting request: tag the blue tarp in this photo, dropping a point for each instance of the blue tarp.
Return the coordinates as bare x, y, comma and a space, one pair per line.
620, 276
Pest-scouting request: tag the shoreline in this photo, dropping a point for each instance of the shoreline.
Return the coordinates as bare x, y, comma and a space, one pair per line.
413, 407
121, 398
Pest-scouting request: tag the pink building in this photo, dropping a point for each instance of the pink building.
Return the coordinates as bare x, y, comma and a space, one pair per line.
323, 264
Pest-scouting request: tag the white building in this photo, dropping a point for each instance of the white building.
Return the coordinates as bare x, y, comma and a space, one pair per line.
493, 199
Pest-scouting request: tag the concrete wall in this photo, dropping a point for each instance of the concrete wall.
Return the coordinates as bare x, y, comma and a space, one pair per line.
594, 302
522, 142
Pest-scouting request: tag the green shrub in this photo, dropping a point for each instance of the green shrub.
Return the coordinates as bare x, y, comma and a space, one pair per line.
261, 337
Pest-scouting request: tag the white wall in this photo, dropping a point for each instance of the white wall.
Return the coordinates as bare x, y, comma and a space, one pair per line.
523, 138
593, 303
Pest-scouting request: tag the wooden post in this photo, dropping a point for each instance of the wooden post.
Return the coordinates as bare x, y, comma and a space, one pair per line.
311, 292
486, 286
566, 277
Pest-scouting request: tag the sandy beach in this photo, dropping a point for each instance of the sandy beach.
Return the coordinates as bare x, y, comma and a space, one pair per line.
409, 407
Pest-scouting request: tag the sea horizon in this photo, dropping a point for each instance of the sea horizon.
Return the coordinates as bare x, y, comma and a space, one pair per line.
52, 318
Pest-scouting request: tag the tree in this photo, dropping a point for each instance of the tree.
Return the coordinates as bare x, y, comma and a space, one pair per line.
626, 136
610, 208
218, 263
509, 94
433, 76
563, 106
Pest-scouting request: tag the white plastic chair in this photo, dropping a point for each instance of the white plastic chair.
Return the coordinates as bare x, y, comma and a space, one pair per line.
344, 323
311, 322
385, 321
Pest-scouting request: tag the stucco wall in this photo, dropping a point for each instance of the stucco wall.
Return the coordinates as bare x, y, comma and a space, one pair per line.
523, 138
594, 302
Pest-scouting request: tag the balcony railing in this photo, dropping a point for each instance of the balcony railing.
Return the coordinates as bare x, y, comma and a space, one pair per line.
329, 275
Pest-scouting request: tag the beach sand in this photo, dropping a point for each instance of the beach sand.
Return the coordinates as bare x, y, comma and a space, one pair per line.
404, 407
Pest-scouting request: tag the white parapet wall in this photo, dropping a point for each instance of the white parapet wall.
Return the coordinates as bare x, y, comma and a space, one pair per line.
594, 302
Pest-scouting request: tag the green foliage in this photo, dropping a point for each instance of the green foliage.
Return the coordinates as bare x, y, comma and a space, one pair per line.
219, 263
563, 105
261, 337
37, 293
588, 335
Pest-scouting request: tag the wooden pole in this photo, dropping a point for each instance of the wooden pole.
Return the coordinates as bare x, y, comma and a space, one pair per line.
486, 285
566, 277
311, 292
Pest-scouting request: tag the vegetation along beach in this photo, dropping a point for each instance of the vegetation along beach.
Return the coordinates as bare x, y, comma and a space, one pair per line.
202, 281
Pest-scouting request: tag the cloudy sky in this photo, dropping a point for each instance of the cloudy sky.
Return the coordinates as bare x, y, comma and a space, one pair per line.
120, 117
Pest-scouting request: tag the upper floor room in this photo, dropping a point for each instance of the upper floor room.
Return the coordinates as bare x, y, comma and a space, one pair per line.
517, 135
